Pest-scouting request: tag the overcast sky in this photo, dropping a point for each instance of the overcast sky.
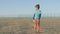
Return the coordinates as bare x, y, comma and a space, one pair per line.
15, 8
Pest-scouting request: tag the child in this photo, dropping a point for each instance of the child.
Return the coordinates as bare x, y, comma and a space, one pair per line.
36, 18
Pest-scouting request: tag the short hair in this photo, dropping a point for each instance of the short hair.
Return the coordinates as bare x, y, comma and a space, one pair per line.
37, 5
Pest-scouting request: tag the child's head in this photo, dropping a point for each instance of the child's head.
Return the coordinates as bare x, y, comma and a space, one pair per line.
37, 7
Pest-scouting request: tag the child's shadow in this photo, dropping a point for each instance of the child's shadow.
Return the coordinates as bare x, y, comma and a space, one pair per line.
24, 32
38, 32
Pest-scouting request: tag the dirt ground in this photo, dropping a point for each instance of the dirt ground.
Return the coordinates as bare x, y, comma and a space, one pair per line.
25, 26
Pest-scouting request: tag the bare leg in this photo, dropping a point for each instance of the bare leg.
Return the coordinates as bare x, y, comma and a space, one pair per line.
35, 26
38, 28
38, 25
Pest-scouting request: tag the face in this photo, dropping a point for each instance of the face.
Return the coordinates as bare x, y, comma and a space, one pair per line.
36, 8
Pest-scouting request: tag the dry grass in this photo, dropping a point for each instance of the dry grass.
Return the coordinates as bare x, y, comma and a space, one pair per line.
24, 26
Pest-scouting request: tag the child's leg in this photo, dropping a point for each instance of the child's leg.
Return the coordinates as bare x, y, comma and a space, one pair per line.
38, 25
35, 25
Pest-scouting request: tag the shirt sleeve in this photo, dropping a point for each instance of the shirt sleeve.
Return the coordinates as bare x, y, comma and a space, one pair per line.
33, 16
39, 16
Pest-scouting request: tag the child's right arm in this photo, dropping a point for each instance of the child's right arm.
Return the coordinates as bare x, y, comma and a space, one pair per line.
33, 16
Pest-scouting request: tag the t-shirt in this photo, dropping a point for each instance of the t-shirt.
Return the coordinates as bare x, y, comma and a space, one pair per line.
37, 14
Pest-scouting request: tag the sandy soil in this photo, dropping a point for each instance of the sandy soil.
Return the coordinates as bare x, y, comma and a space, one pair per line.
25, 26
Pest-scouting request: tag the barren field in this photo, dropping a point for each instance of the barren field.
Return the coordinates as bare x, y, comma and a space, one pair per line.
25, 26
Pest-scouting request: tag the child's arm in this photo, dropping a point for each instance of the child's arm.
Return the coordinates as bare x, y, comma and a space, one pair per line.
33, 16
39, 16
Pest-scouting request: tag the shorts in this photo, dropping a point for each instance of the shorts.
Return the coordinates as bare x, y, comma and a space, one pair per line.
36, 22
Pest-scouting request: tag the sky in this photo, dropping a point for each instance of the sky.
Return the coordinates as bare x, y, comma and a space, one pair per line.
18, 8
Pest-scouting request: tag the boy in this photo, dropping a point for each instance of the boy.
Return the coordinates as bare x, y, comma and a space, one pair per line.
36, 18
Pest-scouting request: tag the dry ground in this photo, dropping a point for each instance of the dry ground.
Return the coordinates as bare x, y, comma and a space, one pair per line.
24, 26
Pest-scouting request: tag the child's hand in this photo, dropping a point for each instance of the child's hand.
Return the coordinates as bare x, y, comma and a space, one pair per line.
33, 20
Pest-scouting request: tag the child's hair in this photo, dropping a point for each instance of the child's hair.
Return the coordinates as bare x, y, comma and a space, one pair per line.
37, 5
